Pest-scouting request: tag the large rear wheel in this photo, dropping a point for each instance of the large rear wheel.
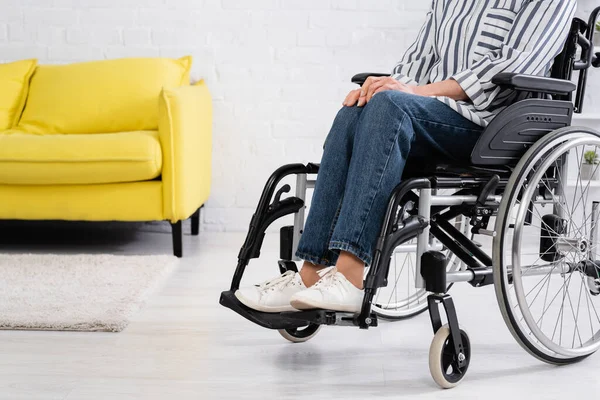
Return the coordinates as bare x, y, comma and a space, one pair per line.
546, 268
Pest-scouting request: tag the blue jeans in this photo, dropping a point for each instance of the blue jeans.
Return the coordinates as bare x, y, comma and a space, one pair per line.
364, 156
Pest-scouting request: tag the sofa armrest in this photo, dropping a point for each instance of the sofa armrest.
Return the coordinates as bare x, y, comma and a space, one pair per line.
533, 83
185, 133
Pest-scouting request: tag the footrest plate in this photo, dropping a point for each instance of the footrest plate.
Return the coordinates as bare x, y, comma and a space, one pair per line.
266, 320
292, 319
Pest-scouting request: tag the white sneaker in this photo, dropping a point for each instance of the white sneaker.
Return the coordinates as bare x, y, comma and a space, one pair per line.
274, 295
332, 292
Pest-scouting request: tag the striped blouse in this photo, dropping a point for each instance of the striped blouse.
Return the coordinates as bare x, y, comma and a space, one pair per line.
470, 41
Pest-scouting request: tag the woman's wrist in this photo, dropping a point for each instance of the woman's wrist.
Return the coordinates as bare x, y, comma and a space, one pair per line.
449, 88
424, 90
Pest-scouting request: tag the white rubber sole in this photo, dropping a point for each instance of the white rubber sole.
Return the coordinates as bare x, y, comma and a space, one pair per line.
306, 304
262, 308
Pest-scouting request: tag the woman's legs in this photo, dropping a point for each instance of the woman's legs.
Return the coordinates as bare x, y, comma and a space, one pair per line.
327, 196
365, 154
373, 152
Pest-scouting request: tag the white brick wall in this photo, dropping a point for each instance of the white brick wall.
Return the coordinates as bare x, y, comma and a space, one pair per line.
278, 69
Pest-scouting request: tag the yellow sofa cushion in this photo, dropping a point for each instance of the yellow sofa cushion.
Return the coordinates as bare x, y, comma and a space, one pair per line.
27, 159
14, 85
100, 96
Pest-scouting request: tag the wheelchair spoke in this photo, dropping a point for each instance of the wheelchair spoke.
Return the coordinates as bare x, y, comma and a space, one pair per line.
544, 279
401, 301
580, 160
575, 328
589, 181
564, 207
585, 201
406, 259
562, 184
394, 291
587, 301
552, 230
539, 291
562, 307
588, 296
577, 316
408, 281
545, 301
554, 298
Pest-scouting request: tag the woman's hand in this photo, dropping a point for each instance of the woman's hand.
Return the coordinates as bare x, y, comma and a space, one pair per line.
375, 85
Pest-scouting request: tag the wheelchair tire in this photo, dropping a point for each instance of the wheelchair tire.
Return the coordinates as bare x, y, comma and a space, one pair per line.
300, 335
542, 170
442, 363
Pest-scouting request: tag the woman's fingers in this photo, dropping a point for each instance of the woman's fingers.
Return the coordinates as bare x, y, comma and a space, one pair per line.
345, 102
384, 88
392, 84
352, 98
362, 100
374, 87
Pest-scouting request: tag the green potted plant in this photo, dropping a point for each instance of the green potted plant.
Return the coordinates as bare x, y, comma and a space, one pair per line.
590, 168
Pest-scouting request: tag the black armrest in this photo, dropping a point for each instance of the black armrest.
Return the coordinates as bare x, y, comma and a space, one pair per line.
533, 83
359, 79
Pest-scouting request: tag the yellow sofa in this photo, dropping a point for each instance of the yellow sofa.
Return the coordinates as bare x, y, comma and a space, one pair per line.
114, 140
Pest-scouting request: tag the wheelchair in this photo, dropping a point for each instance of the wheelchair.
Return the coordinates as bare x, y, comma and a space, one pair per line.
524, 172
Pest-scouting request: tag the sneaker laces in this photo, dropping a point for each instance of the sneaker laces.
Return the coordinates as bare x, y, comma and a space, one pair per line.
329, 277
277, 283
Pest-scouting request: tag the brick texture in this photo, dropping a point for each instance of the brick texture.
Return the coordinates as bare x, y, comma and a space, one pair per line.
278, 69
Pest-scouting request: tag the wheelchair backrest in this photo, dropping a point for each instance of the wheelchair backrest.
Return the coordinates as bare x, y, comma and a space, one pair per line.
581, 38
520, 125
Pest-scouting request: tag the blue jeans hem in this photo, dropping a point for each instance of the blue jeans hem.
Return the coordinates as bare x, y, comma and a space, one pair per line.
352, 249
315, 259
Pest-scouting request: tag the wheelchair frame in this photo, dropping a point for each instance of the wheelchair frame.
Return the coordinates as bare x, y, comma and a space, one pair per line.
481, 200
479, 191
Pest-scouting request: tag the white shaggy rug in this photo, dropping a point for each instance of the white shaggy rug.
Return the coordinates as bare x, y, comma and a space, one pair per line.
84, 292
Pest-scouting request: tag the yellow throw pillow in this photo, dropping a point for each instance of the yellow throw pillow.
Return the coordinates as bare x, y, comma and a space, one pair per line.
14, 85
101, 96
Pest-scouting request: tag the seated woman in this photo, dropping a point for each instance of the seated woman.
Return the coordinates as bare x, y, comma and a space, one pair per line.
437, 102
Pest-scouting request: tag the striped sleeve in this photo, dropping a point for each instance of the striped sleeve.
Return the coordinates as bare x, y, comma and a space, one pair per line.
420, 56
536, 38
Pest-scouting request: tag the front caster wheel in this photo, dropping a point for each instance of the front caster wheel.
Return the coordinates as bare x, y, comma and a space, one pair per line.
300, 335
443, 363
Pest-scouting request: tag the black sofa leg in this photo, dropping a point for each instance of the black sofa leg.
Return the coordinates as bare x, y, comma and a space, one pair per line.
177, 236
196, 222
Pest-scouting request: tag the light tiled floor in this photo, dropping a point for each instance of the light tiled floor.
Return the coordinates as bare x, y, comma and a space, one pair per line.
184, 345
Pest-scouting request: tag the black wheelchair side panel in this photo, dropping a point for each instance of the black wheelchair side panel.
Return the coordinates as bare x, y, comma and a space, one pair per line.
517, 128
